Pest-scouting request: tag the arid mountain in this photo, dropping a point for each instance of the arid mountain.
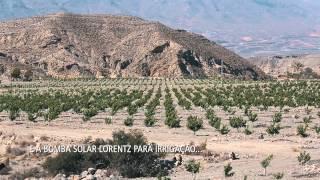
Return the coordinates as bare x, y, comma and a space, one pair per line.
280, 66
67, 45
247, 27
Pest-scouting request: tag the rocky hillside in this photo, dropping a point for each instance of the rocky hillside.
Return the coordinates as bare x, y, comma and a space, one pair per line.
69, 46
279, 66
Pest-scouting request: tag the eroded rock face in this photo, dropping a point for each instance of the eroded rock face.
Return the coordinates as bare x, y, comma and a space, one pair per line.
65, 45
279, 66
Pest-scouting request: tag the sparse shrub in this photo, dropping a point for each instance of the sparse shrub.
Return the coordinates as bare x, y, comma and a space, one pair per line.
278, 175
173, 123
318, 113
247, 131
237, 122
108, 120
16, 73
87, 140
307, 120
129, 165
308, 110
296, 116
149, 121
149, 113
253, 116
210, 114
15, 151
277, 117
216, 123
53, 114
87, 112
224, 129
32, 117
13, 115
266, 163
274, 128
132, 109
34, 172
28, 75
194, 123
44, 138
66, 163
193, 167
203, 146
128, 121
226, 108
317, 129
247, 111
303, 158
163, 178
228, 170
302, 130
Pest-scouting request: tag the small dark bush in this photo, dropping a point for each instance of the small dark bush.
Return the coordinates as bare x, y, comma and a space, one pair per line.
253, 116
66, 163
277, 117
150, 121
317, 129
303, 158
108, 120
128, 121
247, 131
302, 130
278, 175
274, 129
237, 122
307, 120
194, 123
193, 167
228, 170
224, 130
128, 164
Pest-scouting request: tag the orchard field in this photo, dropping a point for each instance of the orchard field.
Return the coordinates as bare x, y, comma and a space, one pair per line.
236, 124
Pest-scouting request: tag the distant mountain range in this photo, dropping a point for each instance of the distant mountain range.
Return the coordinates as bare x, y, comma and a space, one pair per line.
249, 27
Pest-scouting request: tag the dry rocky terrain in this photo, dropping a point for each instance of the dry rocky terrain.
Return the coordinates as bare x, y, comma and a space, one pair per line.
278, 66
68, 46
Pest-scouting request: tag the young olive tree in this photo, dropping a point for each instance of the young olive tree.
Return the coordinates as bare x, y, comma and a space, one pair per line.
266, 163
194, 123
193, 167
228, 170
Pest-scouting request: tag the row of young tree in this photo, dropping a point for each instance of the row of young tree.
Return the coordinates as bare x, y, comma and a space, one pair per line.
172, 120
50, 104
292, 94
150, 110
195, 123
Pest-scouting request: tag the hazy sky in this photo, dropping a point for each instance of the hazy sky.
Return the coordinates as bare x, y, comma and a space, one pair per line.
235, 23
